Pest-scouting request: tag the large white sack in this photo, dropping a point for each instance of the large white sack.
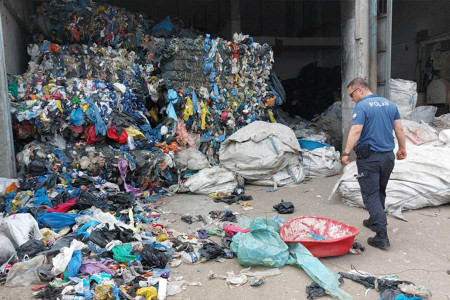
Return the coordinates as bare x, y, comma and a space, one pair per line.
404, 95
424, 113
260, 150
442, 121
211, 180
287, 176
321, 162
192, 159
421, 180
19, 228
418, 133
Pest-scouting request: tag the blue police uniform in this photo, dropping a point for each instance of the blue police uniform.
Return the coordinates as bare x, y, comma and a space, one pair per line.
375, 156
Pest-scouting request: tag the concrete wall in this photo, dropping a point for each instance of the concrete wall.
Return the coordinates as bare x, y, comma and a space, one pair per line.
410, 17
15, 37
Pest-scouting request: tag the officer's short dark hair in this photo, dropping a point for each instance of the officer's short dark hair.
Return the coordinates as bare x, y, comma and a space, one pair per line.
360, 82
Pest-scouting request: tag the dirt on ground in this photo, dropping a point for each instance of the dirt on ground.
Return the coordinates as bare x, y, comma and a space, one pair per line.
419, 252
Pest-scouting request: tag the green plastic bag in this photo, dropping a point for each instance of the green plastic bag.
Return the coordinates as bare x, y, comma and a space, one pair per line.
122, 253
262, 246
13, 89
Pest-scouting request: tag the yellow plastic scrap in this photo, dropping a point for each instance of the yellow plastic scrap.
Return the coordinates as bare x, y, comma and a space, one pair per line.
17, 200
58, 104
271, 118
101, 9
188, 108
148, 292
161, 238
63, 181
131, 216
135, 133
47, 90
153, 114
103, 292
85, 107
205, 111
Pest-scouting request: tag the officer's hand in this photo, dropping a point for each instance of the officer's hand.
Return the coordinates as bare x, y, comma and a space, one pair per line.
401, 154
345, 160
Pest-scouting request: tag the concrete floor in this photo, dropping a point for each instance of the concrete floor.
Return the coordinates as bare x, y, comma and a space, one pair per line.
419, 252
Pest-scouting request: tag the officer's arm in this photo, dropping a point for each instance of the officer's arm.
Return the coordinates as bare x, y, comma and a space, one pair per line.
400, 134
353, 136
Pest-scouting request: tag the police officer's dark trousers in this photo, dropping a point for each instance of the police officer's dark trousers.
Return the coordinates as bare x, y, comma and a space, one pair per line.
373, 176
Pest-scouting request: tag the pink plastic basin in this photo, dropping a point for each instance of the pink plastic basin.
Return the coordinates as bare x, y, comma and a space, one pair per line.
339, 236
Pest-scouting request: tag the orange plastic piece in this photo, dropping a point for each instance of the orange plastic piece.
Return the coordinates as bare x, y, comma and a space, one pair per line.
12, 188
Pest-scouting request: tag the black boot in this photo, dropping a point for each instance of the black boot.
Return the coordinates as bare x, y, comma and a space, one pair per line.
379, 241
368, 223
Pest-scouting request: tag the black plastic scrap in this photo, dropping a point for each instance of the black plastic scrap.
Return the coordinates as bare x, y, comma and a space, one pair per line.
228, 216
152, 257
211, 251
388, 289
284, 207
314, 290
30, 249
233, 199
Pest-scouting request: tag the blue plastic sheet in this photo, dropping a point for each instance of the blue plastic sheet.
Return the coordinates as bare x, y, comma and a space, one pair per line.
41, 198
75, 263
82, 231
403, 297
94, 115
76, 117
262, 246
173, 99
164, 24
57, 220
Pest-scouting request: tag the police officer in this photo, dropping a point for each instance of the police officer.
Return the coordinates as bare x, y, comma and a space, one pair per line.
374, 119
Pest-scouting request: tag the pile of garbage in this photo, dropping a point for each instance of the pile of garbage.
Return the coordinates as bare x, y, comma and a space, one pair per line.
90, 22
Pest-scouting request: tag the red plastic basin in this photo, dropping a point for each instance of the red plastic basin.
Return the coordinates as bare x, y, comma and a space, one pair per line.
339, 236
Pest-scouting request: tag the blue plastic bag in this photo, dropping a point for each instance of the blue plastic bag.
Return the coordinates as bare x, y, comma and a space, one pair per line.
164, 24
41, 198
76, 117
82, 231
57, 220
74, 265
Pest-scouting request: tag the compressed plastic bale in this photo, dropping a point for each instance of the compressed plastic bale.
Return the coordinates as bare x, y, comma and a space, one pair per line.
19, 227
25, 273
